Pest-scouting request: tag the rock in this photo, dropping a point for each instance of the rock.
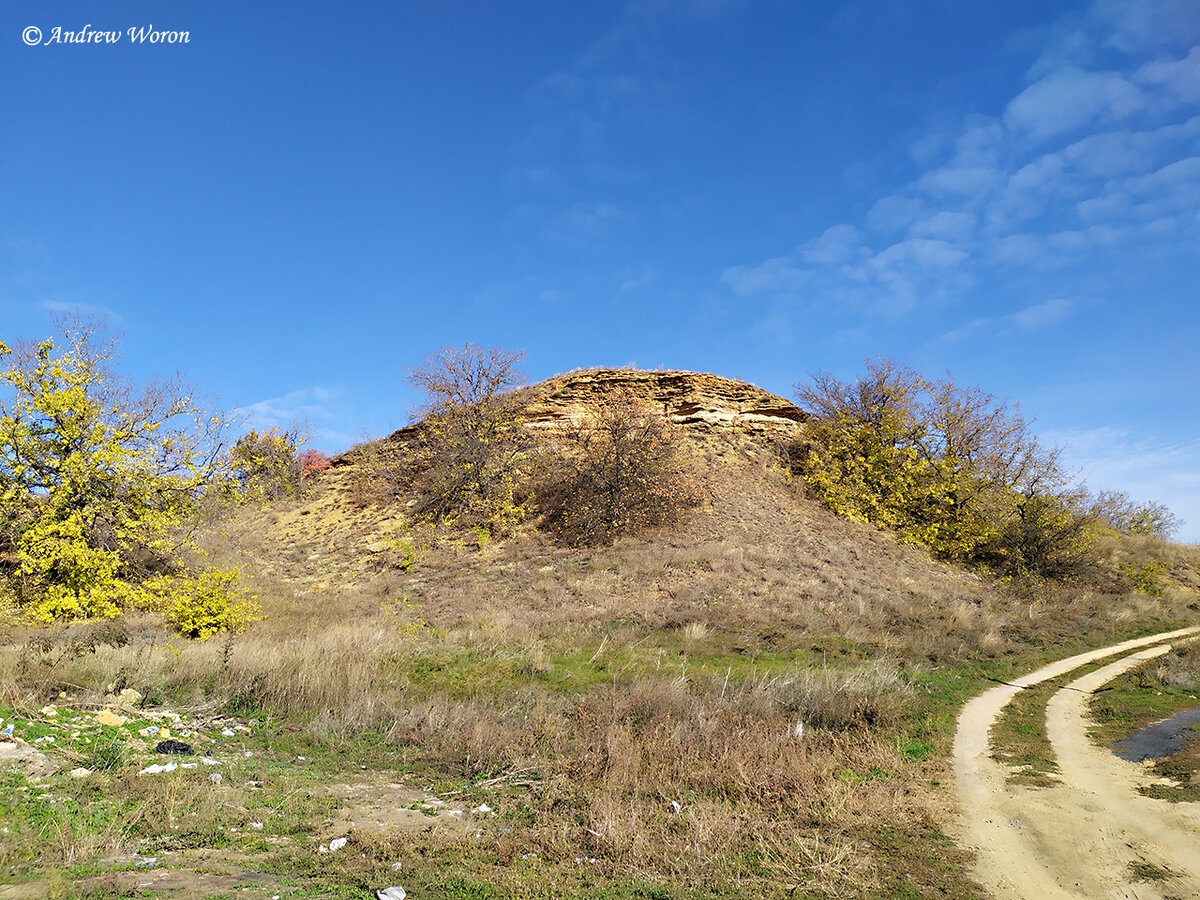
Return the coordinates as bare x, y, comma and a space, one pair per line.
27, 760
690, 399
129, 697
81, 772
107, 717
176, 747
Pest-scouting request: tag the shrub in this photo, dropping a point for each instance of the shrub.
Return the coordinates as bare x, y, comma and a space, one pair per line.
616, 472
205, 604
1144, 576
471, 445
1118, 512
268, 466
313, 464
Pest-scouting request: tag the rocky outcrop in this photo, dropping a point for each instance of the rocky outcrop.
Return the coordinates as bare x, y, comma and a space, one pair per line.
704, 405
688, 399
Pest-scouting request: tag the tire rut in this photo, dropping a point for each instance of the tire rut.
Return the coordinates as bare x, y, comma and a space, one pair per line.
1087, 836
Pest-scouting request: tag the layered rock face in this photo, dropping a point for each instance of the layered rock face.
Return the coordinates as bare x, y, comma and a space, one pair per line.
689, 399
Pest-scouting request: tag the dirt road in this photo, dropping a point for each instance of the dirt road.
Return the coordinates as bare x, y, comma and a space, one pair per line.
1091, 836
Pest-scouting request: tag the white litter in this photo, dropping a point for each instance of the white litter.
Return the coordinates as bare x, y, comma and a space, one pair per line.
228, 732
156, 769
677, 806
256, 826
209, 761
338, 843
392, 893
482, 808
215, 777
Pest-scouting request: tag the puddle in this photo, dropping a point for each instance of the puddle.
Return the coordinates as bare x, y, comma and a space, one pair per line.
1159, 740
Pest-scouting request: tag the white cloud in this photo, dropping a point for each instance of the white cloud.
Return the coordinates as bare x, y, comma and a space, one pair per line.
921, 252
1147, 468
1029, 319
951, 226
1082, 161
1033, 318
1180, 76
1135, 26
839, 244
314, 409
1069, 99
777, 275
894, 212
638, 280
955, 180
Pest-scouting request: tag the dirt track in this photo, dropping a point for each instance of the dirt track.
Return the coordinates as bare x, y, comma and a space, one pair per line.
1090, 835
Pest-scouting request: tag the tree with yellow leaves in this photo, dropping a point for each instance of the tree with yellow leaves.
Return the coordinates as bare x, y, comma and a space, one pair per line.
95, 477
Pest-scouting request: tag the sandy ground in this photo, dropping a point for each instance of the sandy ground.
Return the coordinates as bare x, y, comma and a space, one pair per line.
1092, 835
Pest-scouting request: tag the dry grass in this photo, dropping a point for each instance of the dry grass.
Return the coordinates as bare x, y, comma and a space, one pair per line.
726, 700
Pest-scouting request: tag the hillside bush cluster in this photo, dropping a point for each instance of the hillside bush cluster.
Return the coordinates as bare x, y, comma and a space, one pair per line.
957, 470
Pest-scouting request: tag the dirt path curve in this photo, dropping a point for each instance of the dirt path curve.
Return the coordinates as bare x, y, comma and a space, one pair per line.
1083, 837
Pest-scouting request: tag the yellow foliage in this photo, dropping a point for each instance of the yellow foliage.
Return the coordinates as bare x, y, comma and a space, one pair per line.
205, 604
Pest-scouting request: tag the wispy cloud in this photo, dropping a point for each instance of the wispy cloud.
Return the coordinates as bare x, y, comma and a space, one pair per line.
316, 411
1147, 469
1082, 160
1030, 319
639, 279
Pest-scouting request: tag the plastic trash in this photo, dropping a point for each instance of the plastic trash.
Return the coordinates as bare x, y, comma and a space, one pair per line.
176, 747
156, 769
338, 843
395, 892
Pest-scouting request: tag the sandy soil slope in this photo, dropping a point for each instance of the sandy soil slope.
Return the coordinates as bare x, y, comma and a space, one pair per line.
1091, 835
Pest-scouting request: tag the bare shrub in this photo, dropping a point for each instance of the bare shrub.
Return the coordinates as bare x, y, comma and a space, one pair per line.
617, 471
471, 443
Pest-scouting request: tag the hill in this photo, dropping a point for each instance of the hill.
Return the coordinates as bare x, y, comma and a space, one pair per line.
756, 703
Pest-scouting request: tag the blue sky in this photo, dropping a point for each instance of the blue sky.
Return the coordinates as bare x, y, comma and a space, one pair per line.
304, 199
